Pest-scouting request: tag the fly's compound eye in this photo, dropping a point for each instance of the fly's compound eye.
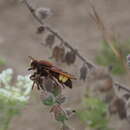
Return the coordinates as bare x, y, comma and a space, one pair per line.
33, 65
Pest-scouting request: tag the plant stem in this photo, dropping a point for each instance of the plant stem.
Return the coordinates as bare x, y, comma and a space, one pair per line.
8, 120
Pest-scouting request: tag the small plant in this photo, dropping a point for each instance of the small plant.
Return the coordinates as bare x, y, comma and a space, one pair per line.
12, 97
94, 114
2, 61
107, 57
112, 52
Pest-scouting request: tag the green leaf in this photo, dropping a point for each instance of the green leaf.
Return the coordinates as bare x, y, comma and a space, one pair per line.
94, 114
49, 101
61, 117
106, 56
2, 61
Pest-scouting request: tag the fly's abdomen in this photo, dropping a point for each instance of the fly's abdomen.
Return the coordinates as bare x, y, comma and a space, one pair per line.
65, 80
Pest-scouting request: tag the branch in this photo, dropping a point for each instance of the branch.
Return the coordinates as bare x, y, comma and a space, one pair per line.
110, 39
87, 62
121, 86
67, 44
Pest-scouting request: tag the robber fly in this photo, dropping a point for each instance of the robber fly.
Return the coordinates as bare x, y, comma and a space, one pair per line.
47, 69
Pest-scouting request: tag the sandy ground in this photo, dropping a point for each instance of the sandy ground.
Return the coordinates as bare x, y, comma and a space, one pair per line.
71, 18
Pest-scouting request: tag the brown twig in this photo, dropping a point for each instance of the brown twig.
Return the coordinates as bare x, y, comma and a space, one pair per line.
87, 62
121, 86
110, 39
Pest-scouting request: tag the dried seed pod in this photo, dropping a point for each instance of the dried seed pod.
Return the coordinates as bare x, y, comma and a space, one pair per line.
83, 72
58, 53
50, 40
60, 99
55, 53
70, 57
62, 53
52, 87
126, 96
70, 112
128, 60
59, 113
40, 30
43, 13
118, 105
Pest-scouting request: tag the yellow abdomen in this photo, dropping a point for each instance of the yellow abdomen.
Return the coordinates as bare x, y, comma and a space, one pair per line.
63, 78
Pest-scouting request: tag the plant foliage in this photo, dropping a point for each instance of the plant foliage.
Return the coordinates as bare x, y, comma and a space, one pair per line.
94, 114
106, 57
12, 97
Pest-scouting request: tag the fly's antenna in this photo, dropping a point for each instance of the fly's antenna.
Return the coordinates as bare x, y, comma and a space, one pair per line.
31, 58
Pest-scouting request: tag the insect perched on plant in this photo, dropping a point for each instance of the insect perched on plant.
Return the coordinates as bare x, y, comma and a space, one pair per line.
45, 69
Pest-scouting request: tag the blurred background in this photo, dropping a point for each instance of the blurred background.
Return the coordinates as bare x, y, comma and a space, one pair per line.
71, 19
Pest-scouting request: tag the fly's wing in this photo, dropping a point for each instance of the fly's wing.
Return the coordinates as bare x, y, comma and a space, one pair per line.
50, 66
57, 70
45, 63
